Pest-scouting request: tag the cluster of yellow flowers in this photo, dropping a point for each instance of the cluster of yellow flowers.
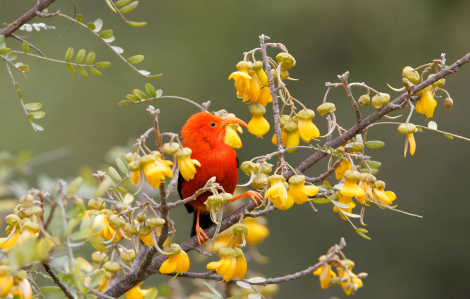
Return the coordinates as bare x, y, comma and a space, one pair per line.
8, 281
349, 281
283, 195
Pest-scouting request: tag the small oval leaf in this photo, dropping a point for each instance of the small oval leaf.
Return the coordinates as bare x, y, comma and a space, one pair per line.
95, 71
103, 64
82, 71
135, 59
106, 33
80, 56
33, 106
150, 90
375, 144
130, 7
90, 58
69, 54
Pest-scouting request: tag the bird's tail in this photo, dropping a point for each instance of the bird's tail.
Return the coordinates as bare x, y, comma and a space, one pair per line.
205, 221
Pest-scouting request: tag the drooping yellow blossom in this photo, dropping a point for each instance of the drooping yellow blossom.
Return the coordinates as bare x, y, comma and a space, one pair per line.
222, 240
347, 201
227, 264
23, 286
307, 129
381, 196
231, 135
103, 284
426, 103
280, 198
257, 232
178, 260
6, 281
299, 191
365, 182
136, 292
325, 273
342, 168
186, 164
156, 169
293, 136
255, 88
265, 96
19, 230
284, 120
135, 177
408, 129
241, 264
242, 78
351, 285
258, 125
11, 240
135, 167
350, 187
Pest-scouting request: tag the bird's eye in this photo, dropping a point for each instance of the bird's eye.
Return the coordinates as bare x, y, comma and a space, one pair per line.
213, 125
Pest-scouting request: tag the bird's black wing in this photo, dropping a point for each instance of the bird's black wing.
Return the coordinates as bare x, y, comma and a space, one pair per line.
238, 162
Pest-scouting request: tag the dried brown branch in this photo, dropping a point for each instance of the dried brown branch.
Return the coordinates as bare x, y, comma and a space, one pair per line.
325, 175
58, 282
344, 79
32, 13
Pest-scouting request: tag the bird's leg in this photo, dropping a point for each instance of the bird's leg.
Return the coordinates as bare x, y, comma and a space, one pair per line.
255, 197
200, 233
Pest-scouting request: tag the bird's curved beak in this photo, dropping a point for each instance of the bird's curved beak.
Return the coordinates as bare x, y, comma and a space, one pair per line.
232, 120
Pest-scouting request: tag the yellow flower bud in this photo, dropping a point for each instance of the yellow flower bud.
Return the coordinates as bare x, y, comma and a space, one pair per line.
247, 167
438, 83
288, 61
266, 168
284, 74
356, 147
258, 125
27, 201
171, 148
260, 181
325, 108
112, 267
410, 74
145, 230
408, 128
128, 255
226, 197
448, 103
99, 257
240, 230
13, 220
364, 100
214, 202
117, 221
156, 222
380, 100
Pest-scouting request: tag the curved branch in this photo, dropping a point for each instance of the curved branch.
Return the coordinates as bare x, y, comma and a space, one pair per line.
57, 281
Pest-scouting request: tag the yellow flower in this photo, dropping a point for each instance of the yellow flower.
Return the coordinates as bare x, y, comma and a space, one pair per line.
299, 191
136, 292
342, 168
178, 260
426, 103
156, 169
325, 273
231, 135
107, 229
13, 239
227, 264
350, 187
257, 232
134, 166
241, 264
6, 281
347, 201
258, 125
103, 284
135, 177
365, 182
242, 78
222, 240
307, 129
255, 88
265, 96
24, 289
280, 198
381, 196
284, 120
186, 164
353, 282
408, 129
293, 136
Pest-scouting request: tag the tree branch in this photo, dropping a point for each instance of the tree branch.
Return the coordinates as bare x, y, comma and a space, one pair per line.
33, 12
325, 175
57, 281
344, 79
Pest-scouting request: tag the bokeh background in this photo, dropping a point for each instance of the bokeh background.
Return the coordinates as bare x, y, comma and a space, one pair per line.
196, 45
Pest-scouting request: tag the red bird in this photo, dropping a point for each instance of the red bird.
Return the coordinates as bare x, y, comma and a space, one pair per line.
204, 134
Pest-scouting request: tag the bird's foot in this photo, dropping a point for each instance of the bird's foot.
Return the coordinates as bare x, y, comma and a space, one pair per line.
255, 197
201, 235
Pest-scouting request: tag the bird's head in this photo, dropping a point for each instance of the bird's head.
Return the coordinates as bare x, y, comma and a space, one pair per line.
204, 126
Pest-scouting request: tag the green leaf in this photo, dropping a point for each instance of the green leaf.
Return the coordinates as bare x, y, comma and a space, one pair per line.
71, 69
122, 2
97, 278
320, 200
155, 76
150, 90
69, 54
37, 127
75, 185
151, 293
237, 296
104, 186
327, 184
244, 285
106, 33
373, 164
361, 233
432, 125
23, 67
90, 58
25, 46
33, 106
125, 103
91, 26
79, 18
209, 295
12, 56
372, 171
95, 71
38, 114
212, 289
135, 59
419, 129
2, 37
375, 144
82, 71
132, 97
449, 136
5, 51
114, 174
51, 289
136, 24
121, 166
130, 7
103, 64
140, 94
80, 56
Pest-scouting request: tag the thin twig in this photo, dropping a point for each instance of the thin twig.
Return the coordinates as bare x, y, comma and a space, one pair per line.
58, 282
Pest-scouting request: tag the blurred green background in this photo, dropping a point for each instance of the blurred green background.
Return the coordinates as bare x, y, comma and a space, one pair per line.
196, 45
